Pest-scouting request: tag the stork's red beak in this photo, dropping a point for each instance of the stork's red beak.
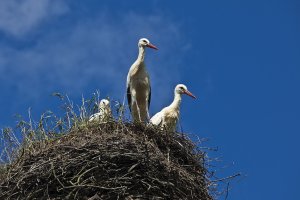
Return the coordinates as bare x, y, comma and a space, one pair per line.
152, 46
190, 94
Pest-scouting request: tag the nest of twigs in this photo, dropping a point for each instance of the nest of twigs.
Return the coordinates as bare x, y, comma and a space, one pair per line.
108, 161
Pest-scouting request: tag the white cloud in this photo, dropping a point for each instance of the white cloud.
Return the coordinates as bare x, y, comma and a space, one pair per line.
95, 52
18, 17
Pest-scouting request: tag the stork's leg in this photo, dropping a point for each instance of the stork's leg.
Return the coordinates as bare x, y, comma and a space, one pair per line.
138, 110
148, 115
163, 125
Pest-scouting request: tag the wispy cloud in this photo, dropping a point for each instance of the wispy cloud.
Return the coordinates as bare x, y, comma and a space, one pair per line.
19, 17
93, 52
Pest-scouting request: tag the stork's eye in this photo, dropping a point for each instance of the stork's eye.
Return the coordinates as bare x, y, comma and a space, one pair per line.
181, 89
144, 41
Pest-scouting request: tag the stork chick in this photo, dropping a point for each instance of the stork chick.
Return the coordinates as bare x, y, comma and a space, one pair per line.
168, 117
104, 114
138, 85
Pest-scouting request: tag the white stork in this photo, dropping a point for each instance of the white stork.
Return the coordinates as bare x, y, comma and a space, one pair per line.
138, 85
168, 117
104, 114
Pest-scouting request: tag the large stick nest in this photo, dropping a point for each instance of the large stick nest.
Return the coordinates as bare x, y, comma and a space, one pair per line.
108, 161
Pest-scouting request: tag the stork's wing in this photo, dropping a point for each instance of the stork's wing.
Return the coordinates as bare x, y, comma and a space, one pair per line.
94, 117
149, 98
156, 119
129, 97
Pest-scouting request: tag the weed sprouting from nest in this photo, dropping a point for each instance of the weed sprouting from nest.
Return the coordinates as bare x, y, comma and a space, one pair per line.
49, 126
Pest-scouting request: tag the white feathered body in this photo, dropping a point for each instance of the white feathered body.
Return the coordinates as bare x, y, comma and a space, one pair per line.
138, 82
104, 114
167, 118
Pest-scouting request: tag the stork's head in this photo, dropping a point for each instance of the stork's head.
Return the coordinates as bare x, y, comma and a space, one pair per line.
182, 89
104, 104
143, 42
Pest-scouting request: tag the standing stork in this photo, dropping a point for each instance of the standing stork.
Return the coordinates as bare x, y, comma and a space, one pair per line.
168, 117
138, 85
104, 114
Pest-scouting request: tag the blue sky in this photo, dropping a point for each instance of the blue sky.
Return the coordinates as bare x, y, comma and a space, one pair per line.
240, 58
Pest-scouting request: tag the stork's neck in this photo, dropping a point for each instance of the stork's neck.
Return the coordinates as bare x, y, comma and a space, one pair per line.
176, 102
141, 55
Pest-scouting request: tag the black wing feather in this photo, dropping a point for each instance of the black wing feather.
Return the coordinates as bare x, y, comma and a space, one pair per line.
129, 97
149, 98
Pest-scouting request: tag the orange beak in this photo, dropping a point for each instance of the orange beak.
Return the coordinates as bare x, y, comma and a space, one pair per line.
152, 46
190, 94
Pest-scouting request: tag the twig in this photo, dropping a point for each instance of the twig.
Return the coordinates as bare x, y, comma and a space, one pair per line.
227, 189
226, 178
52, 167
